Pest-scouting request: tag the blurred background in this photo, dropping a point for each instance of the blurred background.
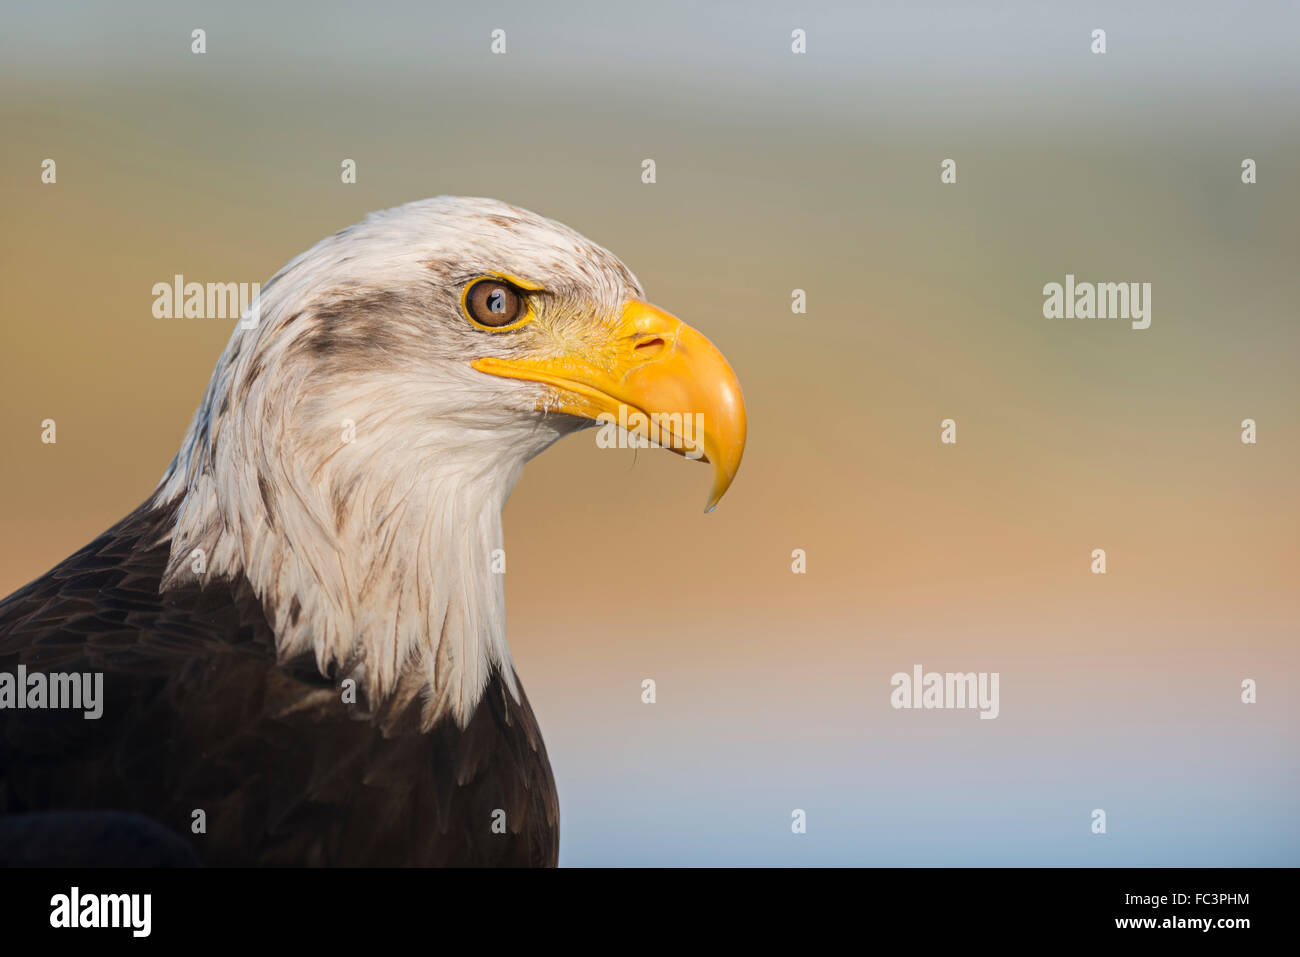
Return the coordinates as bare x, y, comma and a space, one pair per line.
775, 171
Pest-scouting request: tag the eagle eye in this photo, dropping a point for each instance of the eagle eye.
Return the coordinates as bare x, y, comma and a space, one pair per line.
494, 303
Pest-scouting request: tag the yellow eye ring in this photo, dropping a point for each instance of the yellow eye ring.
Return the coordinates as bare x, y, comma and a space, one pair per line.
497, 302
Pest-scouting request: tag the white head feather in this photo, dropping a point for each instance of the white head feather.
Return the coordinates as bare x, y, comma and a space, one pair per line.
376, 554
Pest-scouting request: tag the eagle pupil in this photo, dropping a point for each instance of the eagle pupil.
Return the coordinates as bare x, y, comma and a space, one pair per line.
497, 301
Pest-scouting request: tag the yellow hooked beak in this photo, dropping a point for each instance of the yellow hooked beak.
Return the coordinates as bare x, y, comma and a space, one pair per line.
656, 377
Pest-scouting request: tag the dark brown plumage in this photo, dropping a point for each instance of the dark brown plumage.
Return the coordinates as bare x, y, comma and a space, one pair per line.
198, 715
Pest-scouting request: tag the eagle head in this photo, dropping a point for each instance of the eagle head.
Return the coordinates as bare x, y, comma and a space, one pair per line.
367, 421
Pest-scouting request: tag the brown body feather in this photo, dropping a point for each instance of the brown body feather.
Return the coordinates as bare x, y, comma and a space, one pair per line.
198, 715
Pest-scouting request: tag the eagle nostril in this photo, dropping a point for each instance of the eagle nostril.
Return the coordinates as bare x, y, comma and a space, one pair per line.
650, 348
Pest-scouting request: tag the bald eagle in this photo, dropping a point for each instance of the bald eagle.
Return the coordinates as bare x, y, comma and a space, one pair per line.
300, 632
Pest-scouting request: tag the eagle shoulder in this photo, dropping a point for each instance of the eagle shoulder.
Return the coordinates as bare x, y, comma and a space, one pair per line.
249, 760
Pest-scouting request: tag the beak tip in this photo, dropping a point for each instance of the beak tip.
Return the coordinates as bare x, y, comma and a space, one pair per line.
721, 484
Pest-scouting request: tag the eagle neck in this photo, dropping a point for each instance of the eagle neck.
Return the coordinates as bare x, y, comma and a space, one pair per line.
385, 562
